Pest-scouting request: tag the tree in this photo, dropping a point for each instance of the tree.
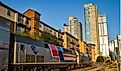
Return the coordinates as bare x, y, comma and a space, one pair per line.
100, 59
47, 37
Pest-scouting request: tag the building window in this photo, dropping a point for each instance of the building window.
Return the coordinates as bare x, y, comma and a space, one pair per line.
54, 33
27, 21
20, 19
50, 31
40, 33
40, 25
18, 29
9, 13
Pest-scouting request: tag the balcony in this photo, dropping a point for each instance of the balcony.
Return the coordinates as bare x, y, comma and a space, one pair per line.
23, 25
72, 43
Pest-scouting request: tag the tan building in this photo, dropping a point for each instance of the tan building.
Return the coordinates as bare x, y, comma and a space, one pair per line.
91, 51
34, 22
47, 28
57, 33
82, 46
74, 28
66, 28
70, 41
11, 21
91, 26
37, 26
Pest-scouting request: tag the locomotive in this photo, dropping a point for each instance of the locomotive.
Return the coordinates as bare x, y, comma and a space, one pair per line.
27, 50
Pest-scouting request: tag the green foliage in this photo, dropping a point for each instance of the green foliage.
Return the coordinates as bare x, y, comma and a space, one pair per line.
100, 59
27, 34
83, 58
20, 33
47, 37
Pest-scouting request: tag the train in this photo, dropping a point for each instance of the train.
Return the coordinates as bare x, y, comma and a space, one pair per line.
27, 50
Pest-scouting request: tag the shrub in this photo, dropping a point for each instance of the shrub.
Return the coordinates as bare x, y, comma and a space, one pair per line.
100, 59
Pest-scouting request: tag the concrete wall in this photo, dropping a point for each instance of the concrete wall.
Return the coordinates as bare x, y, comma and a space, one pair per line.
4, 11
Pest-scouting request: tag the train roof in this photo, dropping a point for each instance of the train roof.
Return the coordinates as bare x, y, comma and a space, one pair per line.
28, 40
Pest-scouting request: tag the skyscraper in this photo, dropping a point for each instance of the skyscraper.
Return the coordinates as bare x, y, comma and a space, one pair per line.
74, 28
91, 26
103, 35
119, 45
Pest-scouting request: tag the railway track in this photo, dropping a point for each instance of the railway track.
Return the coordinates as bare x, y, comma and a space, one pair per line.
88, 69
94, 67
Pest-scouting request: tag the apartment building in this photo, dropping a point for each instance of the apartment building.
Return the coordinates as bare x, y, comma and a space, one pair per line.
91, 26
37, 26
103, 35
82, 46
11, 21
74, 28
70, 41
119, 45
91, 51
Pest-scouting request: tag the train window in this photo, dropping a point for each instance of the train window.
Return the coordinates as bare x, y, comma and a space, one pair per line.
8, 12
67, 51
46, 46
22, 47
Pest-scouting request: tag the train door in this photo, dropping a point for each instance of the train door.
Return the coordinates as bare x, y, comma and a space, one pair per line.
20, 53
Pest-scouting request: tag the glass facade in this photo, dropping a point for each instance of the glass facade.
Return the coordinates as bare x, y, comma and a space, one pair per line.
87, 25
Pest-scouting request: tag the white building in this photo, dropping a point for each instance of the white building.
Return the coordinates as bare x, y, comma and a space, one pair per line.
112, 46
103, 35
119, 45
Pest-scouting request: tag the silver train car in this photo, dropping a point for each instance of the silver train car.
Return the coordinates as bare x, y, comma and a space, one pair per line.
30, 51
27, 50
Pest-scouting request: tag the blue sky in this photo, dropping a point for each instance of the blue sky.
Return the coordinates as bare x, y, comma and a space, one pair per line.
56, 12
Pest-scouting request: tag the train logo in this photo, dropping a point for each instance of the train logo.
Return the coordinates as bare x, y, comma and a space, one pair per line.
34, 49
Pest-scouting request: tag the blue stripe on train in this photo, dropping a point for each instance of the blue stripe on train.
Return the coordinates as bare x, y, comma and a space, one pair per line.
60, 51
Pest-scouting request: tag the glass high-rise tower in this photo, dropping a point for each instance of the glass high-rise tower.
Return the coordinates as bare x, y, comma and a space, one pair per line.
91, 26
